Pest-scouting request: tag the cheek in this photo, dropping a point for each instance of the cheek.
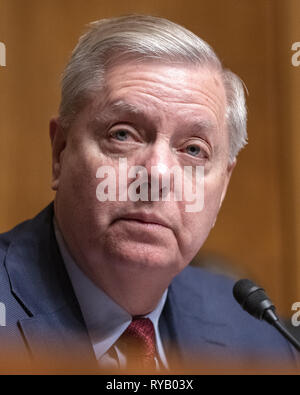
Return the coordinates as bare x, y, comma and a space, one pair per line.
212, 197
198, 225
79, 170
77, 186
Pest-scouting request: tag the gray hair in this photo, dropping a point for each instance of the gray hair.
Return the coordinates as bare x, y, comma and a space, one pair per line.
140, 38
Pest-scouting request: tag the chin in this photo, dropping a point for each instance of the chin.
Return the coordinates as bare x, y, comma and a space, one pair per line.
144, 256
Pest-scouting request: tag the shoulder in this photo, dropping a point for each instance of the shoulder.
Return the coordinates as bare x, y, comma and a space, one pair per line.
208, 298
207, 295
21, 245
6, 240
212, 296
201, 280
28, 228
211, 290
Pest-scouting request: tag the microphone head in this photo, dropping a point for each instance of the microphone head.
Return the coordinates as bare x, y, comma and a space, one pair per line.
252, 298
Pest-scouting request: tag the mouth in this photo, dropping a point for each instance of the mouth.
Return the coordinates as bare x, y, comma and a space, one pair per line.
145, 219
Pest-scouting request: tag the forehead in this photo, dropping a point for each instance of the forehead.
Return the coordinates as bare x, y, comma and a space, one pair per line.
162, 89
162, 94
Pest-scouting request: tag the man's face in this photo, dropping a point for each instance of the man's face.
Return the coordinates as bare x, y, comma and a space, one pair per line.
153, 115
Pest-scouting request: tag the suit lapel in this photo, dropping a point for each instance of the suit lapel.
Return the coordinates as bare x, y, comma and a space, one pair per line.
41, 285
188, 333
59, 337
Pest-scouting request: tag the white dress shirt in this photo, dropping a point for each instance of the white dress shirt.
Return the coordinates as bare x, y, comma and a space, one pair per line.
105, 320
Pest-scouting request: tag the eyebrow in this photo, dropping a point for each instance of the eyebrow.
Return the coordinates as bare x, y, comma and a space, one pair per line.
202, 124
122, 107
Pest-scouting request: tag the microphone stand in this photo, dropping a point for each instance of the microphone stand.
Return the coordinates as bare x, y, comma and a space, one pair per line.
271, 317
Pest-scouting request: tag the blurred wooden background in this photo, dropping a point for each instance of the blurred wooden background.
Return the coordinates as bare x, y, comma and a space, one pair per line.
259, 225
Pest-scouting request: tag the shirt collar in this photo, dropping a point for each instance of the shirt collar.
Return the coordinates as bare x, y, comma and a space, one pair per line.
104, 318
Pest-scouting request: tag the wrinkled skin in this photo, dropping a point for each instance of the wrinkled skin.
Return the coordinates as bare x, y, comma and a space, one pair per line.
154, 115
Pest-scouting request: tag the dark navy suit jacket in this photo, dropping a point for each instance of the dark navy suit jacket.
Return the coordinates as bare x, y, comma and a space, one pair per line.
200, 318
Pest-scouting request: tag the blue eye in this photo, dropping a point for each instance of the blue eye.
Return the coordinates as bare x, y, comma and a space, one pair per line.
193, 150
121, 135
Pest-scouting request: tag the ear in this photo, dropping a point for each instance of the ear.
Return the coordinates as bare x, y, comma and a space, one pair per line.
229, 170
58, 143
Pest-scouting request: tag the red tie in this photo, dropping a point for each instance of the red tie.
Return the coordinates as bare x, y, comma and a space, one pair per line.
139, 338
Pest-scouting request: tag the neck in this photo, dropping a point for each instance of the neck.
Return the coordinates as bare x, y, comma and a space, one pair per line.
136, 291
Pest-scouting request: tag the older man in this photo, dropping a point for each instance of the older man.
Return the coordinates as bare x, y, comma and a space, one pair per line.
99, 271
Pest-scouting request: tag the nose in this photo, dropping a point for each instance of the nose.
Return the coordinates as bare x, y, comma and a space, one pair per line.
158, 160
160, 156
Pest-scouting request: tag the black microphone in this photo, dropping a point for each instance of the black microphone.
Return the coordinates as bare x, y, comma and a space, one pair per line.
254, 300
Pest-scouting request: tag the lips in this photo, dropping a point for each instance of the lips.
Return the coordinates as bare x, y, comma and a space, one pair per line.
146, 218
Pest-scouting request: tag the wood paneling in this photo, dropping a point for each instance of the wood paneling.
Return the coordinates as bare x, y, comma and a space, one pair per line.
259, 223
287, 16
